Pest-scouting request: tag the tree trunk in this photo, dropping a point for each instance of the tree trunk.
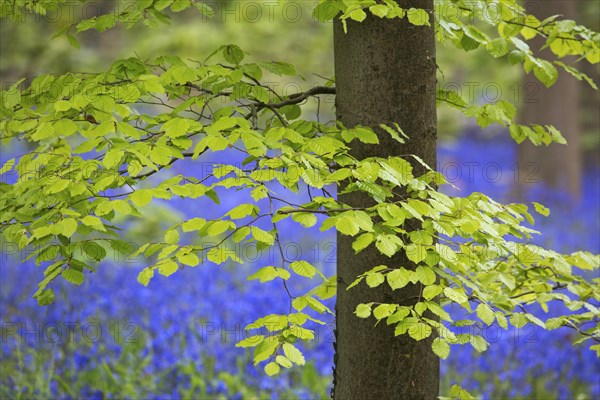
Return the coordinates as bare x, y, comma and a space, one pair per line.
385, 73
557, 165
590, 103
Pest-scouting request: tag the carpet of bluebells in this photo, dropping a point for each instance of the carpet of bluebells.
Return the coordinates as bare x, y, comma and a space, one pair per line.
113, 338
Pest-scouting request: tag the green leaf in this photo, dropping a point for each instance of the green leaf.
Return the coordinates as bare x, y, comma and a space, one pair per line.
58, 186
265, 349
441, 348
73, 41
303, 268
145, 276
419, 331
176, 127
267, 274
94, 250
279, 68
7, 166
45, 297
432, 291
376, 191
456, 295
540, 209
435, 308
167, 268
501, 320
242, 211
162, 4
218, 255
518, 320
416, 253
233, 54
47, 254
418, 16
498, 47
68, 226
128, 130
398, 278
457, 392
73, 276
362, 242
44, 131
113, 158
379, 10
485, 313
384, 310
399, 315
250, 341
358, 15
479, 343
302, 333
421, 237
305, 219
426, 275
293, 354
545, 72
272, 368
190, 259
347, 225
375, 279
183, 74
363, 310
62, 105
356, 282
283, 361
216, 228
93, 222
395, 135
326, 10
240, 234
205, 9
262, 236
388, 244
172, 236
180, 5
194, 224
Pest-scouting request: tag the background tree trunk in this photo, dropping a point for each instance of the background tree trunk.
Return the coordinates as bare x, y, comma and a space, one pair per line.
385, 72
590, 103
557, 165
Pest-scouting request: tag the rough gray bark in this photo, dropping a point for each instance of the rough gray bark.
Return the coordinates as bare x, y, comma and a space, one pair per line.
556, 165
385, 73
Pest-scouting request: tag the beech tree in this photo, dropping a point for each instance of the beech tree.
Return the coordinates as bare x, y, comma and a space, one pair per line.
559, 105
405, 249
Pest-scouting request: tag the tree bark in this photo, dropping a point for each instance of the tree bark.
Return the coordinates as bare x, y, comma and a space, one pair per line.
385, 73
590, 98
557, 165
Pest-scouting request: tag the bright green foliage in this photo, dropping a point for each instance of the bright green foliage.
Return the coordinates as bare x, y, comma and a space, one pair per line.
99, 137
457, 392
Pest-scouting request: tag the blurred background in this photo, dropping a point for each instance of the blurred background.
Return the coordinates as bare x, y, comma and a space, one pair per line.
113, 338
